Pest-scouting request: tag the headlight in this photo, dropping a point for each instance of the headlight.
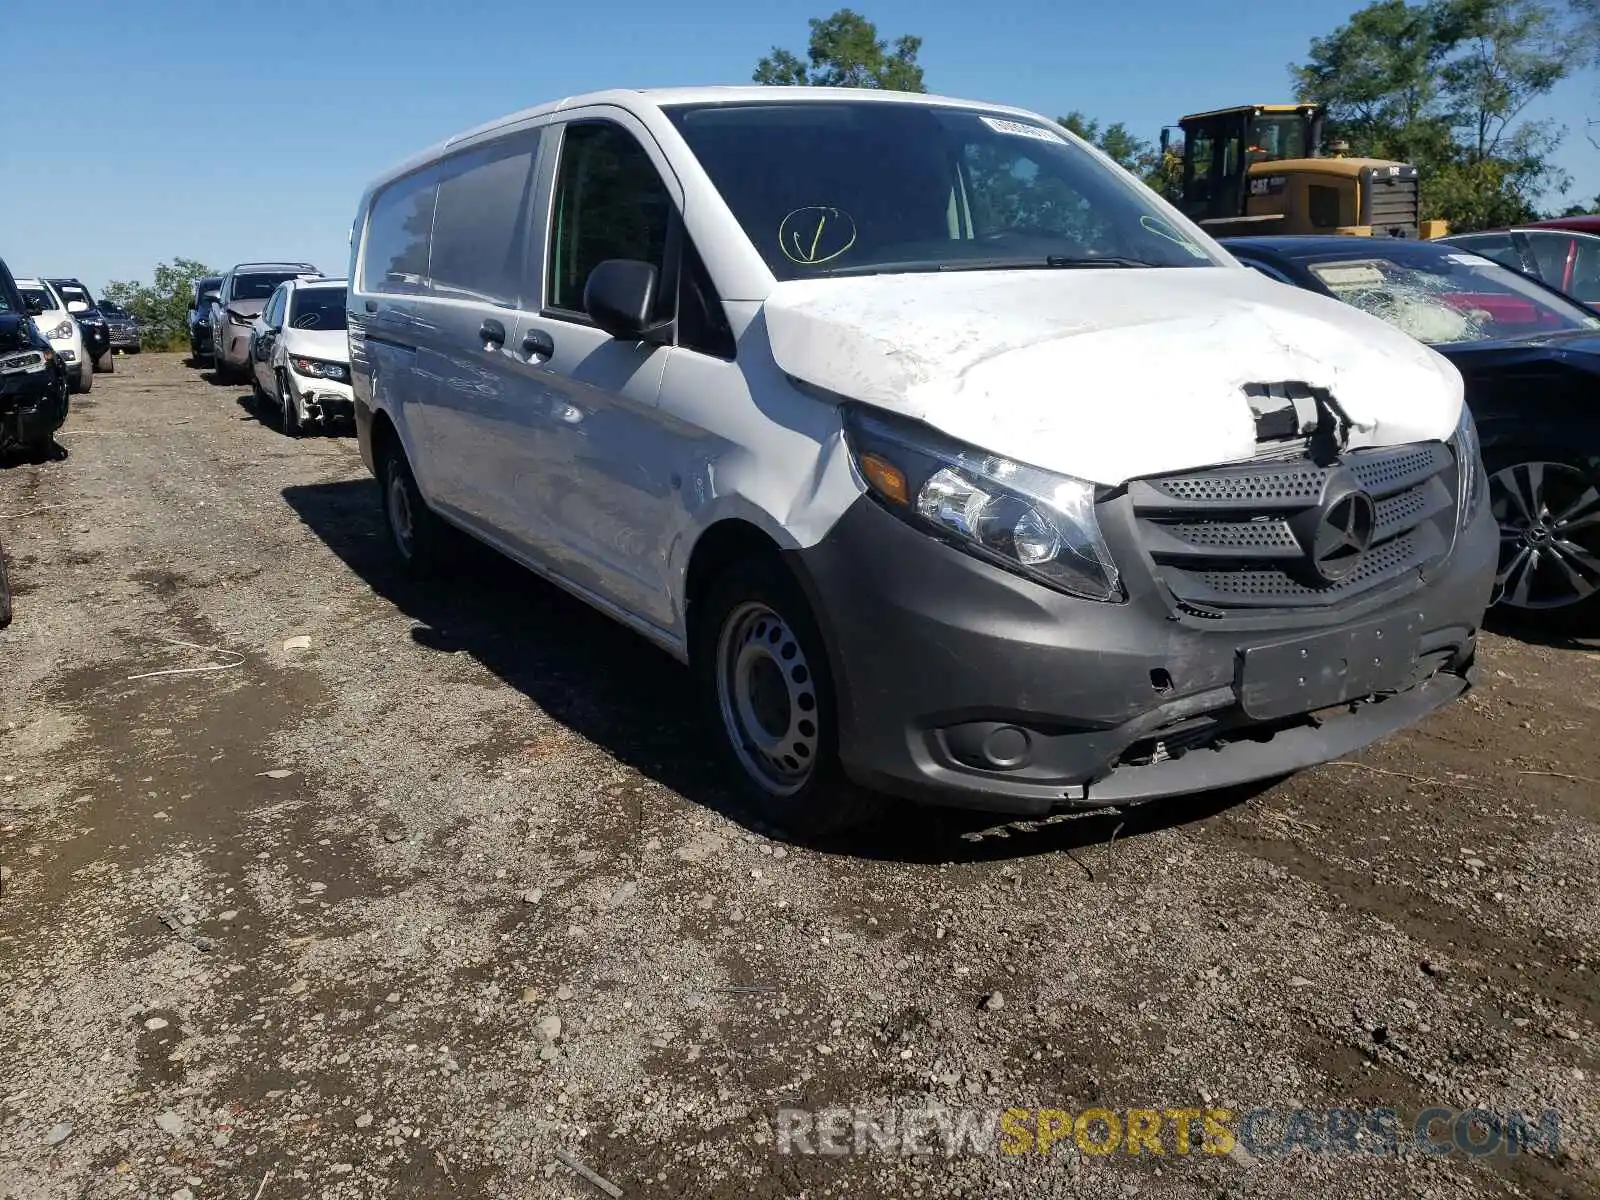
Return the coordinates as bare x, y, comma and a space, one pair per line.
63, 330
1469, 466
318, 369
1031, 521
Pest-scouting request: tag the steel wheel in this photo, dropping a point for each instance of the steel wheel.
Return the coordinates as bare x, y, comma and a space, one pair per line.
766, 694
402, 521
1549, 518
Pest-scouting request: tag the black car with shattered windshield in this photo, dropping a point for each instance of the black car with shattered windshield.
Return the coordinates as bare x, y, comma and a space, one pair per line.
1530, 357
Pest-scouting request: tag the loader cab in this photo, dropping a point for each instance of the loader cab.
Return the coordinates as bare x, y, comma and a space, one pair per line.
1221, 146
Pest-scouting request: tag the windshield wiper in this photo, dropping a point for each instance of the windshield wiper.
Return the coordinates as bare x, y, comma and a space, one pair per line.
1048, 262
1067, 261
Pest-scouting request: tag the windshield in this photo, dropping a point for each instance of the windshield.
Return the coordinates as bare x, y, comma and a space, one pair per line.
318, 308
112, 310
260, 287
1454, 297
33, 295
869, 187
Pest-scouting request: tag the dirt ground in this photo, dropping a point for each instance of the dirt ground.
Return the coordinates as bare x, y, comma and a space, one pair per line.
408, 910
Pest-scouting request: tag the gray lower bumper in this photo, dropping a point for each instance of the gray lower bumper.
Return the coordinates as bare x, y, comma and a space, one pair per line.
962, 683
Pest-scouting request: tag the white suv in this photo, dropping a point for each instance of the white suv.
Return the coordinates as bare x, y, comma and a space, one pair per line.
955, 462
62, 332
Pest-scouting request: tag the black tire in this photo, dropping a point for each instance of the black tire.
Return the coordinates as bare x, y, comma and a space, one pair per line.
1549, 572
5, 592
754, 633
84, 384
288, 409
427, 549
258, 394
106, 363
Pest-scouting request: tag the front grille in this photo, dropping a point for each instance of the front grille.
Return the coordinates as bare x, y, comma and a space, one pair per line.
1240, 537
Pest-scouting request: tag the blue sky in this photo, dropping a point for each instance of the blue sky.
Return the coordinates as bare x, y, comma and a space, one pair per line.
143, 131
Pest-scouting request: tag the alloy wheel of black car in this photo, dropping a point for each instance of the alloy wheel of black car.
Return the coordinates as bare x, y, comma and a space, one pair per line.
1547, 504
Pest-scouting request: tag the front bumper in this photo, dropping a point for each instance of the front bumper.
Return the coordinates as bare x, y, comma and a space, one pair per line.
323, 399
959, 682
33, 405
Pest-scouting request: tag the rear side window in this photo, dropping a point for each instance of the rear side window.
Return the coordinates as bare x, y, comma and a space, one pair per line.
610, 203
480, 222
395, 257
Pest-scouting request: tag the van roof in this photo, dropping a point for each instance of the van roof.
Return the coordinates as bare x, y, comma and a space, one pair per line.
633, 99
721, 94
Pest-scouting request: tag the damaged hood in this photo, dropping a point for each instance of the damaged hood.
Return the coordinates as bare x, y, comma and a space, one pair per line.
1105, 375
330, 345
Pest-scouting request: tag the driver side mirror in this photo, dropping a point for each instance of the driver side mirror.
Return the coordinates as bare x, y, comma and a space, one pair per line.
77, 306
619, 296
34, 308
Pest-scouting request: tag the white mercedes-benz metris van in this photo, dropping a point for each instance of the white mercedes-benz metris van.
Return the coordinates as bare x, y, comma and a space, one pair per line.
955, 462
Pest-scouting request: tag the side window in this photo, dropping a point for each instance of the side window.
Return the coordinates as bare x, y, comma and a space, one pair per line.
480, 222
395, 256
609, 203
702, 321
273, 316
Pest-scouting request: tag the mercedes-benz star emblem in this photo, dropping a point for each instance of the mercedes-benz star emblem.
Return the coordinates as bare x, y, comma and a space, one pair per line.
1343, 535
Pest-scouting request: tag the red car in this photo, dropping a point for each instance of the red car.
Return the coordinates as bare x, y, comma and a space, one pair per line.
1563, 252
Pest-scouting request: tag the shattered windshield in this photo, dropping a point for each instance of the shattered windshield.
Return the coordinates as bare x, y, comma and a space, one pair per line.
1449, 298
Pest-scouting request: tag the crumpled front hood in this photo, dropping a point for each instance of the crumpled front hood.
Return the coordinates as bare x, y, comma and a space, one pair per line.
1106, 375
247, 308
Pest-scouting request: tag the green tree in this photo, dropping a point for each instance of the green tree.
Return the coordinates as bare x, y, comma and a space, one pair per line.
161, 306
1444, 84
845, 51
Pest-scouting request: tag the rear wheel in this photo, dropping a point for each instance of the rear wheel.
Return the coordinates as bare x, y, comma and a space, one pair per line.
762, 673
1547, 504
106, 362
83, 383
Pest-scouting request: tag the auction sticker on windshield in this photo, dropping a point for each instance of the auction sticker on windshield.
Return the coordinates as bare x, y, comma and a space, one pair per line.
1021, 129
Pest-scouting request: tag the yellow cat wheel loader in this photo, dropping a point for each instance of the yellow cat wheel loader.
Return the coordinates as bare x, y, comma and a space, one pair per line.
1261, 169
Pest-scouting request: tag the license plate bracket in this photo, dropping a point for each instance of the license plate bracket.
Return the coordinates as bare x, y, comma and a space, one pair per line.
1317, 670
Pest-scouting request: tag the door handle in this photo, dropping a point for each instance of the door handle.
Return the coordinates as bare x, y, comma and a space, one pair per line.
536, 343
492, 333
